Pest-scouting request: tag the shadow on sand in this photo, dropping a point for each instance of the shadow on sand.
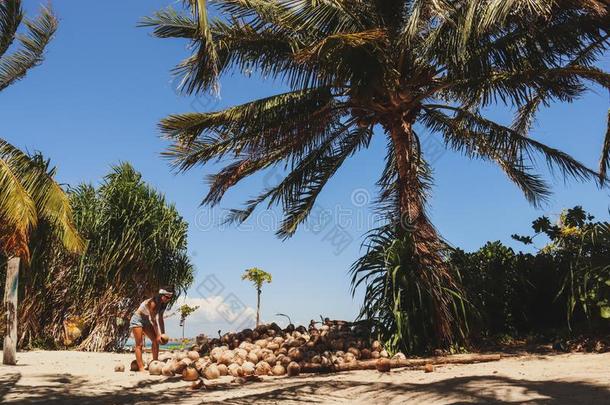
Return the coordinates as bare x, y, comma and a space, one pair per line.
66, 389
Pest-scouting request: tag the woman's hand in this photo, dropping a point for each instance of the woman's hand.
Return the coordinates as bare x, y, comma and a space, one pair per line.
158, 338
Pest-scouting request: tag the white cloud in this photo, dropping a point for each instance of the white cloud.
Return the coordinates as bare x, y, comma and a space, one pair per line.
214, 313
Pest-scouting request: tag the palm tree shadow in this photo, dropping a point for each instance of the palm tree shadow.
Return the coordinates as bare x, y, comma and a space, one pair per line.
479, 389
67, 389
7, 383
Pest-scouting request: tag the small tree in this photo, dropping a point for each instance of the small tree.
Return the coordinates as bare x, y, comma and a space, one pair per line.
257, 277
185, 312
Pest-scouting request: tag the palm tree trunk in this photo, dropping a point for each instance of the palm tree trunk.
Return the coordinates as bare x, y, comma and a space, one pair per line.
258, 305
10, 306
427, 244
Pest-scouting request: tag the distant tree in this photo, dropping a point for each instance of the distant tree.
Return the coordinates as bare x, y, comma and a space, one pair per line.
258, 277
185, 312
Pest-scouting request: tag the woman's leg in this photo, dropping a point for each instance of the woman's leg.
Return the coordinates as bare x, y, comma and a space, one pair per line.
152, 335
139, 338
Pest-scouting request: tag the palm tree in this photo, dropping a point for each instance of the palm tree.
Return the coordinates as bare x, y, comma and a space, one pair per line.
402, 67
258, 277
27, 193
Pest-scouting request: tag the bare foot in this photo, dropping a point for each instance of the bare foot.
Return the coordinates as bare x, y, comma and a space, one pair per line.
142, 369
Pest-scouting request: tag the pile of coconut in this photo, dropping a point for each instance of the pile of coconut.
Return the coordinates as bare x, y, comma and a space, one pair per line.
271, 350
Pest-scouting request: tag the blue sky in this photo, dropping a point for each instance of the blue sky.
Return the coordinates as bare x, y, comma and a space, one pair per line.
105, 84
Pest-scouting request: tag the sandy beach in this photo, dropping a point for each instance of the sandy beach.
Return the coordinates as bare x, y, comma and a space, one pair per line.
64, 377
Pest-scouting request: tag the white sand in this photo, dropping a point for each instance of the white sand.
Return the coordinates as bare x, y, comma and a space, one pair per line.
88, 378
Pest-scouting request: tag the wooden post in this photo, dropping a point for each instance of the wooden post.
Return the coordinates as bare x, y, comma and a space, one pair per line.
10, 307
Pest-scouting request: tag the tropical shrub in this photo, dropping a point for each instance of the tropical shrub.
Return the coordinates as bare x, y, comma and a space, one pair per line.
136, 243
400, 296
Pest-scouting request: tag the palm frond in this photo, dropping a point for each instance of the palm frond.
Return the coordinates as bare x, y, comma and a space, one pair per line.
169, 23
205, 65
14, 66
478, 137
11, 15
30, 194
17, 207
605, 159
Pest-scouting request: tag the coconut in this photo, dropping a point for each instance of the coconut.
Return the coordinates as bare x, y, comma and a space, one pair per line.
119, 368
273, 346
262, 354
164, 339
383, 365
399, 356
165, 357
223, 369
211, 372
278, 370
215, 353
384, 354
134, 366
262, 343
325, 362
262, 368
293, 369
201, 364
190, 374
252, 357
178, 367
226, 357
180, 356
365, 354
238, 360
376, 346
243, 353
167, 370
354, 351
428, 368
375, 355
193, 355
349, 357
270, 359
187, 361
295, 354
236, 370
248, 368
317, 359
155, 367
281, 350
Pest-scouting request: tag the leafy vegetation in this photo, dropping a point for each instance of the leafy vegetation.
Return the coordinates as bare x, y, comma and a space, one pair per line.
353, 67
136, 243
564, 285
563, 288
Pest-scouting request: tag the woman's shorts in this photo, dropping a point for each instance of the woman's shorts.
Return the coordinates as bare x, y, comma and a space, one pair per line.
139, 321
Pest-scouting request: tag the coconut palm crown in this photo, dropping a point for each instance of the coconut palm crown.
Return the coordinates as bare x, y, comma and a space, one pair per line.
354, 66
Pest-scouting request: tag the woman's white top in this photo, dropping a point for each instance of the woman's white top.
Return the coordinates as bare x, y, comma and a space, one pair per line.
143, 308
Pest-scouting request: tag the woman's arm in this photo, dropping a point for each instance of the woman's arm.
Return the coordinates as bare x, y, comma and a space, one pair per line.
152, 310
161, 321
